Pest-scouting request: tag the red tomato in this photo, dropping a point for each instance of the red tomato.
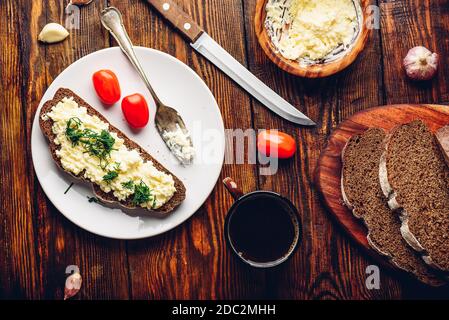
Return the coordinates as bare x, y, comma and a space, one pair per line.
135, 109
107, 86
273, 143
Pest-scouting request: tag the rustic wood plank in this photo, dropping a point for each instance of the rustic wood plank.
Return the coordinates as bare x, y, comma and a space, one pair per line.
37, 243
18, 266
192, 261
327, 264
439, 16
406, 24
60, 243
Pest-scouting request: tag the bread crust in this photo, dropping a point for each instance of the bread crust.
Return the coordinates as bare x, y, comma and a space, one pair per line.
443, 140
387, 190
395, 206
349, 205
109, 198
429, 278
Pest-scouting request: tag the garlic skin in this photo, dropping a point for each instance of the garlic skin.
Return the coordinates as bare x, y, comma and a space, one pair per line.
53, 32
72, 285
421, 64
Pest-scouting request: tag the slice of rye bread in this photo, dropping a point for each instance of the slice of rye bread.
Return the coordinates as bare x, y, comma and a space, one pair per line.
443, 140
415, 179
362, 194
46, 127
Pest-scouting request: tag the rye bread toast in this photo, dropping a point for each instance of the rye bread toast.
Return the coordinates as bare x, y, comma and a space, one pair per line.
46, 127
415, 179
363, 195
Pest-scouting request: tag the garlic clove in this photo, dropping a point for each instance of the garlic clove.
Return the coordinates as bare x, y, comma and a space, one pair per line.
72, 285
53, 32
421, 64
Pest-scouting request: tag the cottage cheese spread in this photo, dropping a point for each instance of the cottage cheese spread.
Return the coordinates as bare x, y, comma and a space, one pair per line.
180, 143
312, 30
129, 164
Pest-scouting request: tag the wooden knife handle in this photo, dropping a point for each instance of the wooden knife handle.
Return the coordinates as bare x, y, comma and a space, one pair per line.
233, 188
178, 18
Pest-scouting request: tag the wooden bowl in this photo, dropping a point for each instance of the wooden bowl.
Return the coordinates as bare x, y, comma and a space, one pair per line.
315, 70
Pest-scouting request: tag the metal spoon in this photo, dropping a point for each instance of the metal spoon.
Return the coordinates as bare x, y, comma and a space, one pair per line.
169, 123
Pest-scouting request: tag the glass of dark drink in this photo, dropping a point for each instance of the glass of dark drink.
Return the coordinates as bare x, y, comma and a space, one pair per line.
262, 228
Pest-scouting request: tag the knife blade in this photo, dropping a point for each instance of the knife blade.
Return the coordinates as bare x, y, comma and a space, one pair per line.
212, 51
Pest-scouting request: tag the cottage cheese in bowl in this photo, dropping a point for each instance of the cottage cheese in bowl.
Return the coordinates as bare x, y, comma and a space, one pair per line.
313, 31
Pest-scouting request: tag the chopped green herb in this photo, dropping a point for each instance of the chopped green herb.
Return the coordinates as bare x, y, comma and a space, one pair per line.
128, 185
154, 203
112, 174
142, 193
73, 131
93, 199
98, 145
67, 190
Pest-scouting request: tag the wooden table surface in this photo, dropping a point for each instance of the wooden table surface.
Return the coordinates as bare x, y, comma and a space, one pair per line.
37, 243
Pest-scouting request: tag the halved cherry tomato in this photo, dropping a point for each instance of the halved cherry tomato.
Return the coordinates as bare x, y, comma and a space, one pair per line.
273, 143
135, 109
107, 86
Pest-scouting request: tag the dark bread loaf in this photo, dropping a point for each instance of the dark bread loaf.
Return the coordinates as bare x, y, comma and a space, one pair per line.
415, 179
363, 195
46, 127
443, 140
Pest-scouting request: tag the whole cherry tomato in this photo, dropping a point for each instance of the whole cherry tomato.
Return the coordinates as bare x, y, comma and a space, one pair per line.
107, 86
273, 143
135, 109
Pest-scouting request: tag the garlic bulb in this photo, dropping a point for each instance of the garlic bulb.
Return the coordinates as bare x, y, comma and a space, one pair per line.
421, 64
72, 285
53, 32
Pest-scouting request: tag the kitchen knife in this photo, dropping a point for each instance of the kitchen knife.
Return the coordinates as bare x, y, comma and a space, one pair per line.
212, 51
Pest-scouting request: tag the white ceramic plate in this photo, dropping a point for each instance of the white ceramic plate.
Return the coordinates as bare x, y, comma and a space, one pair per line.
178, 86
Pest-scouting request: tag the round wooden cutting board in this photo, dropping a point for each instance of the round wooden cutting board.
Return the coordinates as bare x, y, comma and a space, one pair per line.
328, 171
